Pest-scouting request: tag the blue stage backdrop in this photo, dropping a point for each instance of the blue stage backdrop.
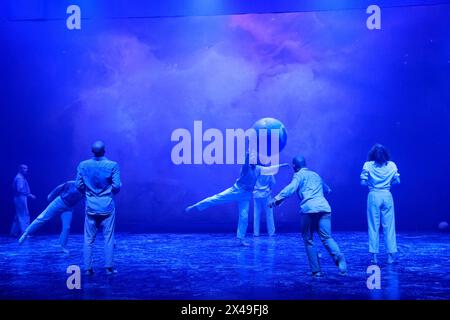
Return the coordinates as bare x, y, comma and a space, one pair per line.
337, 86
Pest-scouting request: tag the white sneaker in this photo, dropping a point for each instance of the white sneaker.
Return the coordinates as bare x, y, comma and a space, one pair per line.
374, 259
391, 258
23, 238
242, 243
342, 265
318, 274
190, 209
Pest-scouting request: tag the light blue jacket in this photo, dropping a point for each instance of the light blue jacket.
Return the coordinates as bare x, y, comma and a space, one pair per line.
99, 179
310, 189
380, 177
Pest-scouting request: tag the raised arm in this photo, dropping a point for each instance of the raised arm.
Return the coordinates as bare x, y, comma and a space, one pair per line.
244, 168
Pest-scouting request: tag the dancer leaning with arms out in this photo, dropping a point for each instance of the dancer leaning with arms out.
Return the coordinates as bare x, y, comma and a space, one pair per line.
241, 192
379, 174
62, 201
315, 214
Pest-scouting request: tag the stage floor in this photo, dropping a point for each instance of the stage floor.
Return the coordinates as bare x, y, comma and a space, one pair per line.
212, 266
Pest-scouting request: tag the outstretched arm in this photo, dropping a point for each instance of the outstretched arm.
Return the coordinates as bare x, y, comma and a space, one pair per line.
244, 168
288, 191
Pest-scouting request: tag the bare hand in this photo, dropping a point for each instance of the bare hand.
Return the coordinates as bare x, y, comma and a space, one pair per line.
274, 203
32, 196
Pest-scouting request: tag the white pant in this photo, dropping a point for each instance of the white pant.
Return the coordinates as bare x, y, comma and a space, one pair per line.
22, 216
55, 207
262, 204
91, 225
380, 206
241, 196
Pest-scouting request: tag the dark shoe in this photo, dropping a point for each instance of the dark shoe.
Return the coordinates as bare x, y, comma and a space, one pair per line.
89, 272
111, 271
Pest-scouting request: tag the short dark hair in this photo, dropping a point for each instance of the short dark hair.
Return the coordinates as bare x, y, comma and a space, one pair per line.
379, 154
98, 148
299, 161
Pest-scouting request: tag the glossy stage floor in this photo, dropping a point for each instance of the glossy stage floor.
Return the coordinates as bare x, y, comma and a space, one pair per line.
212, 266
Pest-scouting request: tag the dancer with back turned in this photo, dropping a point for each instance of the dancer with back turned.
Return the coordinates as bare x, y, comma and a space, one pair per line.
99, 179
379, 174
315, 214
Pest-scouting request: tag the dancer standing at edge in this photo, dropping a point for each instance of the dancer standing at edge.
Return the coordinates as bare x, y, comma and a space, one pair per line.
241, 192
21, 194
62, 201
261, 199
316, 214
99, 179
379, 174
